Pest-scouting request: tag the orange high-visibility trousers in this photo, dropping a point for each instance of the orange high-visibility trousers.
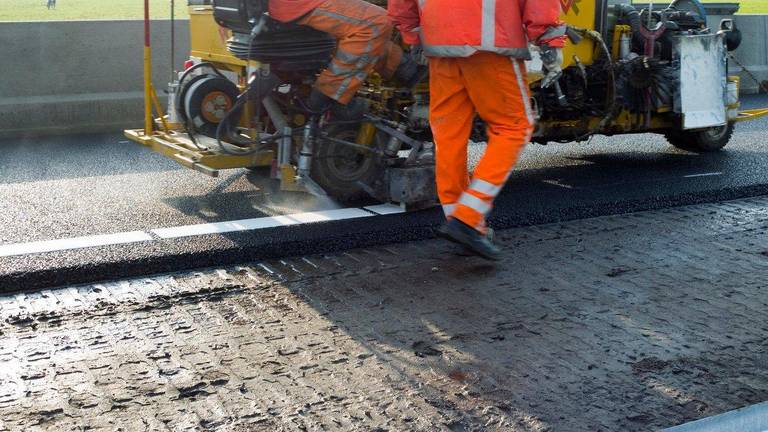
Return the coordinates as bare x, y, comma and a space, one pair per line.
363, 31
495, 87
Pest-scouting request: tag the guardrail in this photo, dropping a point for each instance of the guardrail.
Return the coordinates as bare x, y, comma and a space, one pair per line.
753, 52
80, 76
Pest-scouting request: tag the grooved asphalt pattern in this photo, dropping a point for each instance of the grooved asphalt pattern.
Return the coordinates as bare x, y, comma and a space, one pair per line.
618, 323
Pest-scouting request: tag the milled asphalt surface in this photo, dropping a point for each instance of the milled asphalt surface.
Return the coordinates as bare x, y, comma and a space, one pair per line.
623, 323
62, 187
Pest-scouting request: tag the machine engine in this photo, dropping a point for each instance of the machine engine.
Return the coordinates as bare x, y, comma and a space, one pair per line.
641, 73
287, 48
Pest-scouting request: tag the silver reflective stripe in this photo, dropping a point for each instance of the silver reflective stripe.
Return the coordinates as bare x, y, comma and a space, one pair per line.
553, 32
526, 103
475, 203
484, 187
422, 3
336, 69
468, 50
488, 36
346, 57
338, 16
523, 93
448, 209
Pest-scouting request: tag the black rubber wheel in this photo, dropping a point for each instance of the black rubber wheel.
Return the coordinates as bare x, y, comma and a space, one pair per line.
701, 141
340, 170
205, 100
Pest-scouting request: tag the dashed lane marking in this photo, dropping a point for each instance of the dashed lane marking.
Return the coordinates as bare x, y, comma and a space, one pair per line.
709, 174
385, 209
85, 242
73, 243
260, 223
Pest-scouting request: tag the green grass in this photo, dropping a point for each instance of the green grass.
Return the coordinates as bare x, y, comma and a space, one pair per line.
745, 6
66, 10
35, 10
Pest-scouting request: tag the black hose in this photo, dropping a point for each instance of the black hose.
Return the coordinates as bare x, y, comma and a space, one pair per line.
261, 92
193, 68
627, 14
610, 97
189, 128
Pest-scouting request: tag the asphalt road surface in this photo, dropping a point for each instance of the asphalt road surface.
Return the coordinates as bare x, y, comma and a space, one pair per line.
623, 323
58, 188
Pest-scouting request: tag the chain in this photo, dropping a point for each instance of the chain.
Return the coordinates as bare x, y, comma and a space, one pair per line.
749, 73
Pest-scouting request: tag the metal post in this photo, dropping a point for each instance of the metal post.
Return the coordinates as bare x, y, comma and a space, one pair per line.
650, 14
147, 74
173, 40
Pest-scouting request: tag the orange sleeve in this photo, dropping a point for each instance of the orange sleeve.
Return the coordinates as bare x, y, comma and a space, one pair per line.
542, 22
405, 14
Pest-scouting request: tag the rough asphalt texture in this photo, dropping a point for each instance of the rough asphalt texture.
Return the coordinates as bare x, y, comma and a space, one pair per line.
73, 186
617, 323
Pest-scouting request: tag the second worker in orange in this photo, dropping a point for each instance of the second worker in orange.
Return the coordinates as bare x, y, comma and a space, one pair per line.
476, 51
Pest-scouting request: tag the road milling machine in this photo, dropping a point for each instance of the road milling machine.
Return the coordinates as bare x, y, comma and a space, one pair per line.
238, 102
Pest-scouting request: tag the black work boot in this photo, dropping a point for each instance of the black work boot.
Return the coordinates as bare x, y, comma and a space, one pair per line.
463, 234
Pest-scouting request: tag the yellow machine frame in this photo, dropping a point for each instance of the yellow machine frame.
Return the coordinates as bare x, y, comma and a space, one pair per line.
208, 43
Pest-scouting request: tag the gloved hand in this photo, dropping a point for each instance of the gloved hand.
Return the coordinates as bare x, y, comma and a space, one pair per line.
552, 58
417, 52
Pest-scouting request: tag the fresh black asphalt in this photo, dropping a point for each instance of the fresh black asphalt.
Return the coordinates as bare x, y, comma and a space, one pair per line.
62, 187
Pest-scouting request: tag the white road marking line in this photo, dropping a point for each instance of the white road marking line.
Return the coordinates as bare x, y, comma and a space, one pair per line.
73, 243
260, 223
557, 183
709, 174
385, 209
16, 249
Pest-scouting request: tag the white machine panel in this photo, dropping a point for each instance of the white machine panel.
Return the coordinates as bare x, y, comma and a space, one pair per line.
702, 81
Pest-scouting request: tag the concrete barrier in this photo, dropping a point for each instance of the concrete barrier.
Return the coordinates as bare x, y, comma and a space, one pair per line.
753, 52
80, 76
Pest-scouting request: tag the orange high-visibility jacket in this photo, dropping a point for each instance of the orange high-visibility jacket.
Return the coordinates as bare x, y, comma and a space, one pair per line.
290, 10
459, 28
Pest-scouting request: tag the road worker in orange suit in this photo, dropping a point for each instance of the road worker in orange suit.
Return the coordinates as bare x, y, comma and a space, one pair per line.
363, 32
476, 51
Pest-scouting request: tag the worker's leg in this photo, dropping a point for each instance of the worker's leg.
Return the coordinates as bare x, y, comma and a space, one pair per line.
497, 87
363, 31
450, 115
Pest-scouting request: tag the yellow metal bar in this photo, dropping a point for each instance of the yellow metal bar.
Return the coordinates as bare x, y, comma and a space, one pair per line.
752, 114
618, 31
147, 91
158, 108
180, 148
366, 134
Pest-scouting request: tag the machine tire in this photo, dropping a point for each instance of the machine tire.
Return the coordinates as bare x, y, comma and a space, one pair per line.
702, 141
340, 169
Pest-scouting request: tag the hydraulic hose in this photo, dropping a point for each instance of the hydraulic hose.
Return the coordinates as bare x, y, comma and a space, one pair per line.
610, 97
627, 14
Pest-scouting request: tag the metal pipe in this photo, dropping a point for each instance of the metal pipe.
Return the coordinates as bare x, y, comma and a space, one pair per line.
274, 113
173, 40
286, 145
147, 74
650, 14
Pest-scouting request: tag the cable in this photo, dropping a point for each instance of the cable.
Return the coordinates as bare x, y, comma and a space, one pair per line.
610, 102
244, 98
